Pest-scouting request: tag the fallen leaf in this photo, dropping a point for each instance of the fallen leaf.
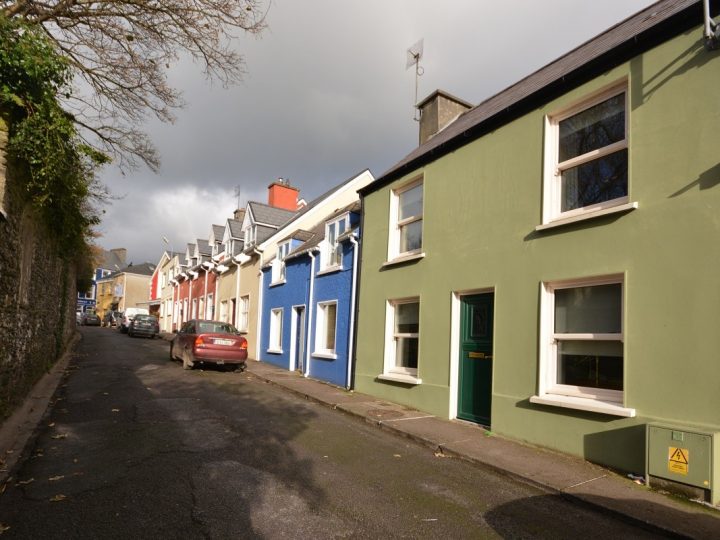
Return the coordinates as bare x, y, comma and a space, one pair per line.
51, 424
9, 451
25, 482
55, 478
105, 394
58, 497
439, 454
116, 410
3, 528
397, 455
59, 436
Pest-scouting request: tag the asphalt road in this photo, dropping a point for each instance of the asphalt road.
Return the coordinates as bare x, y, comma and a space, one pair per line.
135, 447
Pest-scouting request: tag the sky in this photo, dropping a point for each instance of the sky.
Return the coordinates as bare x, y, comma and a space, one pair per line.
326, 96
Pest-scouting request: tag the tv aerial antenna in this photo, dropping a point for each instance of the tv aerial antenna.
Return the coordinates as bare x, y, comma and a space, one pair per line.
238, 190
414, 54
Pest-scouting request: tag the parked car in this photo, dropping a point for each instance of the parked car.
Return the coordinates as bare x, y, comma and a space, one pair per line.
210, 342
78, 317
144, 325
129, 315
112, 318
90, 319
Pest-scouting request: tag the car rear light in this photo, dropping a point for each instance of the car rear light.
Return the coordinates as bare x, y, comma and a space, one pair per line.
243, 344
199, 342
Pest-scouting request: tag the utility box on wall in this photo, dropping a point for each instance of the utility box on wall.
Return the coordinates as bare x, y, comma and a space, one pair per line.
684, 456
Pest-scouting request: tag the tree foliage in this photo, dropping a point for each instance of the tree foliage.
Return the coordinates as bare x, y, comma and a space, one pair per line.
119, 52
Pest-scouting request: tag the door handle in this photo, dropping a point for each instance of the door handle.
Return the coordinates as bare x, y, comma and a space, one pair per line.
479, 355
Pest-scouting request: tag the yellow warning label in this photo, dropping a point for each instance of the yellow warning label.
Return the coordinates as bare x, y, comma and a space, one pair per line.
678, 460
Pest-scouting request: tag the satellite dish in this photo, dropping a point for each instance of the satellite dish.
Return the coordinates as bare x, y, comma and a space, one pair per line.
414, 54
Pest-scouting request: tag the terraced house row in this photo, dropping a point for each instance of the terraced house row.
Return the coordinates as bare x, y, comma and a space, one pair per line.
544, 264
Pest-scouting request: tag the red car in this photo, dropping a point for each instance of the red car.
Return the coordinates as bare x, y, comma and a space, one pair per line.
209, 342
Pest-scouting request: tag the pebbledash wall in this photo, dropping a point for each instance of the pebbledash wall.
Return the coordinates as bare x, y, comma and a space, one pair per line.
482, 204
37, 291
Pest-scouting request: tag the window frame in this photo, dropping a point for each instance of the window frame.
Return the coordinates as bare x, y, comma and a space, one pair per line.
552, 177
278, 270
321, 330
276, 331
391, 370
396, 225
332, 253
244, 313
549, 340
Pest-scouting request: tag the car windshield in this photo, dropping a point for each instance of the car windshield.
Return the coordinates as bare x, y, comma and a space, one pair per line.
150, 318
211, 327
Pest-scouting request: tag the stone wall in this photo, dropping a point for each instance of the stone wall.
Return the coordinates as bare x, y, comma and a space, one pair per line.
37, 291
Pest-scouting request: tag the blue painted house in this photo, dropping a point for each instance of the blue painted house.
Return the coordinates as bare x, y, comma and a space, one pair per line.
309, 290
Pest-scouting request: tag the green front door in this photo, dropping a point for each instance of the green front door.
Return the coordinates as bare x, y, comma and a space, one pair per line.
476, 357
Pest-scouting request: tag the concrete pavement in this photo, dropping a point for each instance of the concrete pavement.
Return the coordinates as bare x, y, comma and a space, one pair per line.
552, 471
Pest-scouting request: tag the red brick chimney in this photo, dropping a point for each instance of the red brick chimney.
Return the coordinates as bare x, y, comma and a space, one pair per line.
282, 195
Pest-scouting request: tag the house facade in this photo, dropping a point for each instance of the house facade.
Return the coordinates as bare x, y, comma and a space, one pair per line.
308, 299
275, 246
545, 264
109, 262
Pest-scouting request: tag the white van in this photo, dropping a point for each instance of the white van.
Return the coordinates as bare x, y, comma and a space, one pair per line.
129, 315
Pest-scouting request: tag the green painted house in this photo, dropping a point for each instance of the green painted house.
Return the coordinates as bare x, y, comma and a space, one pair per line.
547, 263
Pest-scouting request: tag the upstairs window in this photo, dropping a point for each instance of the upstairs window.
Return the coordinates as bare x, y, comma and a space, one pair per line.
332, 256
278, 268
587, 156
406, 220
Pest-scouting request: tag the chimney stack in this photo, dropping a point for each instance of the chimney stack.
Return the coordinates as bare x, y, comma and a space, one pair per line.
239, 214
282, 195
437, 111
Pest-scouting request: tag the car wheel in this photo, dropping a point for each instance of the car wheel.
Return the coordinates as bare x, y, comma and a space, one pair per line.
187, 363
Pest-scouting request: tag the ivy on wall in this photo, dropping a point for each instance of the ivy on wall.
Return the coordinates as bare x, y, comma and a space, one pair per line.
59, 168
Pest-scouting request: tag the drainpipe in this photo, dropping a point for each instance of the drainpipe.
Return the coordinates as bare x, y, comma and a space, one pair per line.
204, 315
215, 296
710, 32
172, 313
306, 367
259, 307
236, 315
190, 286
353, 292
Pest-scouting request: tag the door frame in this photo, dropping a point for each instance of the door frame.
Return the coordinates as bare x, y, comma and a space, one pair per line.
455, 320
292, 364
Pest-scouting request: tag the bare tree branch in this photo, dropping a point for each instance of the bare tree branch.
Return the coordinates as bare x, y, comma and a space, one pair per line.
120, 52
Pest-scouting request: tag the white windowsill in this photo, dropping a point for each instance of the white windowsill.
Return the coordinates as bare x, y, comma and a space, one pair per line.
404, 258
399, 377
559, 222
276, 283
275, 351
326, 355
330, 269
583, 404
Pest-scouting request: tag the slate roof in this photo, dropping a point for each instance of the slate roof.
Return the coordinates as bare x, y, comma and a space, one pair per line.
204, 247
616, 45
145, 269
235, 228
269, 215
109, 260
218, 232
